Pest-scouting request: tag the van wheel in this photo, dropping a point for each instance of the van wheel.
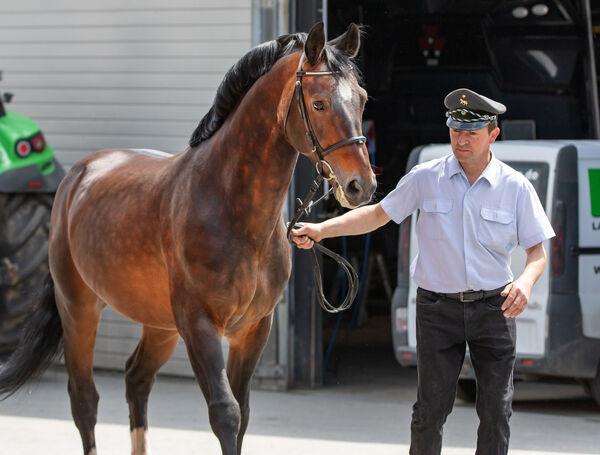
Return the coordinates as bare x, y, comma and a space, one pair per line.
466, 390
594, 387
24, 224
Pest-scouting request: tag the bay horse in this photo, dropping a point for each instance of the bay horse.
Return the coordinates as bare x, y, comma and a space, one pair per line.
194, 244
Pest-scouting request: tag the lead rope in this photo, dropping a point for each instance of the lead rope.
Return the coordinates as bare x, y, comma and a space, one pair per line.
304, 209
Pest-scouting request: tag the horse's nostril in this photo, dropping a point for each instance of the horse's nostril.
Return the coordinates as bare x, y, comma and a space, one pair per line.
353, 188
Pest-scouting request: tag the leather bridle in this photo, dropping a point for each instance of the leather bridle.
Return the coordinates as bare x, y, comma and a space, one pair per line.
306, 205
310, 132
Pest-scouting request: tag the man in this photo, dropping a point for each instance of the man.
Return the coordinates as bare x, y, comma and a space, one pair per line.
473, 210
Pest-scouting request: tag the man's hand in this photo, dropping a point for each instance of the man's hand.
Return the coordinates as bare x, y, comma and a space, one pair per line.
517, 293
517, 296
306, 236
354, 222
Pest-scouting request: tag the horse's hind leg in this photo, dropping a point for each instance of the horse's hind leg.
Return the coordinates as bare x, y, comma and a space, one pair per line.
80, 323
245, 348
153, 350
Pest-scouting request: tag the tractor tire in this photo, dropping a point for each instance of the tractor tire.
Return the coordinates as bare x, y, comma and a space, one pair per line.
466, 390
24, 226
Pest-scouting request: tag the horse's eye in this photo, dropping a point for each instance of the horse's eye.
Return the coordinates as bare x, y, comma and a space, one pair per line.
318, 105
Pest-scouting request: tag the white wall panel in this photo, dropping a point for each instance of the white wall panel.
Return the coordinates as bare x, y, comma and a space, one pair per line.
77, 19
116, 95
117, 49
118, 72
43, 6
116, 79
48, 65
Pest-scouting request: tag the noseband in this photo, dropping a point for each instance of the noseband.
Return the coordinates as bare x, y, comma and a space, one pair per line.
306, 205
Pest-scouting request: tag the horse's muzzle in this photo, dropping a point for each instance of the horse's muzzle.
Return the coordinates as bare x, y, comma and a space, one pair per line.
358, 191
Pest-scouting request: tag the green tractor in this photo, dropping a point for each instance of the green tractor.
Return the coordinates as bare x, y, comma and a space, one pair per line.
29, 177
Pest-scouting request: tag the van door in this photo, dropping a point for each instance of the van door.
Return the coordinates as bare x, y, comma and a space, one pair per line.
531, 324
588, 250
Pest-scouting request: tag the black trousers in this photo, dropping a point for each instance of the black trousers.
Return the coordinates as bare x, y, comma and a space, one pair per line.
444, 327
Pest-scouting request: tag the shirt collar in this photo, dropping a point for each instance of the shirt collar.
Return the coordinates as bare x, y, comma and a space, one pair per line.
453, 166
490, 173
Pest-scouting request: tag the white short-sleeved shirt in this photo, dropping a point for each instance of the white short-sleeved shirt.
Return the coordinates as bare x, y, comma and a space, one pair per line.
467, 232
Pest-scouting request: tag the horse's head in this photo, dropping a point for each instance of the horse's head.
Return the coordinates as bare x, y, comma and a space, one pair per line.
324, 118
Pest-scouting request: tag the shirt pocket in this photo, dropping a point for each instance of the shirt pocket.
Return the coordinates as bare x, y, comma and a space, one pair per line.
436, 218
497, 229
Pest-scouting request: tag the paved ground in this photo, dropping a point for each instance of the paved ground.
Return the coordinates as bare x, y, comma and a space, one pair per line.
366, 414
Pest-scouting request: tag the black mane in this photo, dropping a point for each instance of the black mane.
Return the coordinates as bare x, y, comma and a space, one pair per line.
243, 74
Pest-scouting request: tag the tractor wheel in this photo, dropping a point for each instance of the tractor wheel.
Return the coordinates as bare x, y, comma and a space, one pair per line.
24, 225
466, 390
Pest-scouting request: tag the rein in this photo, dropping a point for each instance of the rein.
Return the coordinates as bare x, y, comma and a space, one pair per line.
307, 204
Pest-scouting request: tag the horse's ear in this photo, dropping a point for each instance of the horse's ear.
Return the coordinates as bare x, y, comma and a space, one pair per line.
349, 42
313, 48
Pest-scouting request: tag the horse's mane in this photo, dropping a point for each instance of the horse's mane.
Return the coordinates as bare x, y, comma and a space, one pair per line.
243, 74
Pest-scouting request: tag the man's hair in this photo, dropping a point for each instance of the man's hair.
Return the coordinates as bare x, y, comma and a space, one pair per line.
492, 126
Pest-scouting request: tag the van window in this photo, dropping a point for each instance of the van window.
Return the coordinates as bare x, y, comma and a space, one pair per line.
536, 173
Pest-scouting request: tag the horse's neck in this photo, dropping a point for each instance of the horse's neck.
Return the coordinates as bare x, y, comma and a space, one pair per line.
250, 158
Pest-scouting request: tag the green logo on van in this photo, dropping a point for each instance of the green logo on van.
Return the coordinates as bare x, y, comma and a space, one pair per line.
594, 175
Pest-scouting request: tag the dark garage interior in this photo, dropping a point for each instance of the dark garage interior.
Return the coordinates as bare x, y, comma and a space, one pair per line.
413, 54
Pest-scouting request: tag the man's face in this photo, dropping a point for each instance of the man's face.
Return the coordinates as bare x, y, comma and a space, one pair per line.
472, 147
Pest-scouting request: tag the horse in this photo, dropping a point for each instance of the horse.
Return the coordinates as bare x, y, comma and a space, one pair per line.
194, 244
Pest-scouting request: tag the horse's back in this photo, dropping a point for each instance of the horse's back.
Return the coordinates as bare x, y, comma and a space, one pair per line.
106, 221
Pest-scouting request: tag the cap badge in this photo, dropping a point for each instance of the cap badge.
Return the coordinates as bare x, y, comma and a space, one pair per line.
463, 101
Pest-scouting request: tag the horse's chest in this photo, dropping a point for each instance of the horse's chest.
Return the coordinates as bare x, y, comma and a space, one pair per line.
267, 274
258, 284
240, 276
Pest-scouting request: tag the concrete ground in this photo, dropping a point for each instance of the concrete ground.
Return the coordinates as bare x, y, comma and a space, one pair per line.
365, 412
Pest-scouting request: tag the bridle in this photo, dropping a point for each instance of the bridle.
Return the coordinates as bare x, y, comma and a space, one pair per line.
310, 132
307, 204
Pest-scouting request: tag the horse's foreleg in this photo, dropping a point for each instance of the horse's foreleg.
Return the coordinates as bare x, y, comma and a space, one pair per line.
203, 344
244, 351
80, 324
153, 350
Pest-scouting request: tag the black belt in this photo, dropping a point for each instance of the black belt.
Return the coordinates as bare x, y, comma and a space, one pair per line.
467, 296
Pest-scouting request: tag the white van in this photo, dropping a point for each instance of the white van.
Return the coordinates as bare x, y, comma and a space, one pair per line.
558, 334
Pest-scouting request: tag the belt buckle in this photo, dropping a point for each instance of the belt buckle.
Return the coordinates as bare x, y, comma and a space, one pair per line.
463, 300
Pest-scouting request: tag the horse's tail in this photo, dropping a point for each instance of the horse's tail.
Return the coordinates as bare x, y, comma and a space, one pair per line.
40, 343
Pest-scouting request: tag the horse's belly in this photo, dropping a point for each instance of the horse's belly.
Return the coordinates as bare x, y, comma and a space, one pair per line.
146, 302
139, 292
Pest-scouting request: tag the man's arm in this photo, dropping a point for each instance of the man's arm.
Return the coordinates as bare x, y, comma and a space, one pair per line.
358, 221
518, 291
